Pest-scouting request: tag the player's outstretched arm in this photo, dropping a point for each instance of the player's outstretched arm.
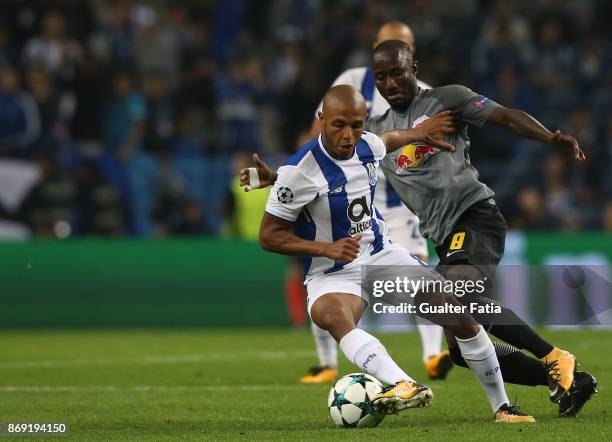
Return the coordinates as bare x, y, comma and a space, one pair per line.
257, 177
430, 131
523, 124
276, 235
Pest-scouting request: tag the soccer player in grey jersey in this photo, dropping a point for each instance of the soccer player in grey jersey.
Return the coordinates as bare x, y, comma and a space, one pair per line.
458, 212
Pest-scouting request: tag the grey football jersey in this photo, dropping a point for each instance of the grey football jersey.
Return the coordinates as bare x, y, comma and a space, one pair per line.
437, 185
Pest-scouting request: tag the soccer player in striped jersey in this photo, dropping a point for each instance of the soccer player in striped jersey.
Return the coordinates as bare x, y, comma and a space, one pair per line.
322, 208
403, 225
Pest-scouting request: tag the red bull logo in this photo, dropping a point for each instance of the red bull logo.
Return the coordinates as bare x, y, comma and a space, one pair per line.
412, 156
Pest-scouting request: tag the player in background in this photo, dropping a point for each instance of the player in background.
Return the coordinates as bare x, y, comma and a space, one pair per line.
403, 225
322, 208
463, 220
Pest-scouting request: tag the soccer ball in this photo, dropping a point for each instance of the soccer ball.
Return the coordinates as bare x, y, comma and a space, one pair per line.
350, 401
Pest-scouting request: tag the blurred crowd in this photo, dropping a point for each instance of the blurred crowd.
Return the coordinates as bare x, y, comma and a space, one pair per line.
136, 115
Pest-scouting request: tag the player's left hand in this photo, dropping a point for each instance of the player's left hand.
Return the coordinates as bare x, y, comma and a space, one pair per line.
569, 143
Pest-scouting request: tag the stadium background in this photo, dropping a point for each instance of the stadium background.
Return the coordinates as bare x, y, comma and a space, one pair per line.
135, 303
123, 123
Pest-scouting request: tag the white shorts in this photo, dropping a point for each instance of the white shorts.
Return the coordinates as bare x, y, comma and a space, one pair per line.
403, 228
349, 280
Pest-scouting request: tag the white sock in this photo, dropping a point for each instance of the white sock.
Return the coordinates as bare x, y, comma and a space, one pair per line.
326, 346
431, 337
367, 353
479, 354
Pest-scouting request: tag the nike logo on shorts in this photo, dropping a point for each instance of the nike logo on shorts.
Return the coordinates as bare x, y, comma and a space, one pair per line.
453, 252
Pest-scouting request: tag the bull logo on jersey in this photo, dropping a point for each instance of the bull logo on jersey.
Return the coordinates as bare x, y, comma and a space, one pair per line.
412, 156
372, 173
356, 211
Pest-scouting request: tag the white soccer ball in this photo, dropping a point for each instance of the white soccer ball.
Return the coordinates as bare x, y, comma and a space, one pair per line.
350, 401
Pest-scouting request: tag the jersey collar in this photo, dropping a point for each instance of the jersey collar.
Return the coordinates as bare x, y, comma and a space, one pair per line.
332, 158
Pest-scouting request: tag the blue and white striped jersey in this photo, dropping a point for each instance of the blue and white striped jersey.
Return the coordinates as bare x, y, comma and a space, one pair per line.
329, 199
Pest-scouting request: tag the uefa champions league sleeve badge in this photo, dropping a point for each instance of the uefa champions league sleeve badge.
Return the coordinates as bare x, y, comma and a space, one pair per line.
284, 195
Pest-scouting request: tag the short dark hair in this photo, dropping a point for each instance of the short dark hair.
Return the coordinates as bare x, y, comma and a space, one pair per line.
391, 46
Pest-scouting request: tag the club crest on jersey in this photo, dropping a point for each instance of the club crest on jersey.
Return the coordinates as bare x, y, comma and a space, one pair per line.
412, 156
372, 173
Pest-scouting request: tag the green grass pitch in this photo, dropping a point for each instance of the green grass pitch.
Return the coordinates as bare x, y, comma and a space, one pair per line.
230, 384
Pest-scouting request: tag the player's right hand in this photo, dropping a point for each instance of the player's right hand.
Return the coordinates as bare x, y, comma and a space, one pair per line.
265, 175
569, 143
436, 127
345, 249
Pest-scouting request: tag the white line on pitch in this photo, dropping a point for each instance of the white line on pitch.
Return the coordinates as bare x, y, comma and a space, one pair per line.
159, 359
76, 388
